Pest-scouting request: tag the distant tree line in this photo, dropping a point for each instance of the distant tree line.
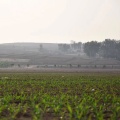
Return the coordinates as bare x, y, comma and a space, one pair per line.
67, 47
64, 47
109, 48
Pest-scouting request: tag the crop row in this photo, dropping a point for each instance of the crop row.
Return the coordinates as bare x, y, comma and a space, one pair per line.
50, 96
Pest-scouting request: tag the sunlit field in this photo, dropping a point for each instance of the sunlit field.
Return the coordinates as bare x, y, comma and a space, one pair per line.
59, 96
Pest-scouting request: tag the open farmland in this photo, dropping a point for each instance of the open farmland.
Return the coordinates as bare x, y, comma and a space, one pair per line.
16, 55
54, 59
55, 96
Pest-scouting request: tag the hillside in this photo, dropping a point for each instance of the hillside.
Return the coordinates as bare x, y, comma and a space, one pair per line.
30, 53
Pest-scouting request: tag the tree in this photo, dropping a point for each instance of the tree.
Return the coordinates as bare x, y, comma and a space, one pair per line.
109, 48
76, 46
91, 48
73, 44
79, 45
41, 47
118, 50
64, 47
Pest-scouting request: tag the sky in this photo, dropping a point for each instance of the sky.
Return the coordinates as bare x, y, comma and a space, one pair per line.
59, 21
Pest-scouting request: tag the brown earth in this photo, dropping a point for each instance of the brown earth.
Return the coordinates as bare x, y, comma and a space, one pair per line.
58, 70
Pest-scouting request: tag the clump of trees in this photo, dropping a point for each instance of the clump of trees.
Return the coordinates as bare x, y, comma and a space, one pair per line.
91, 48
40, 47
70, 47
76, 46
109, 48
4, 64
64, 47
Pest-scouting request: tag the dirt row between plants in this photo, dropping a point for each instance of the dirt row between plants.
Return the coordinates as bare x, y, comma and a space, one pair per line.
57, 70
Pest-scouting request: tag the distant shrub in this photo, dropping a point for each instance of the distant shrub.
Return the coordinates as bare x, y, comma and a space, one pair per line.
95, 66
79, 66
28, 65
86, 66
5, 64
12, 65
18, 65
104, 66
70, 65
37, 66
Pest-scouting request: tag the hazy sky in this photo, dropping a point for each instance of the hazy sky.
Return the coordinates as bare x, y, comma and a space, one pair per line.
59, 20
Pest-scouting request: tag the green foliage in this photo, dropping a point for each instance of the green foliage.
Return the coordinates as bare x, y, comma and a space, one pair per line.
104, 66
109, 48
79, 65
64, 47
91, 48
59, 96
4, 64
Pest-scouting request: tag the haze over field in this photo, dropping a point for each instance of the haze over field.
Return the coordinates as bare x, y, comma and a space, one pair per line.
59, 21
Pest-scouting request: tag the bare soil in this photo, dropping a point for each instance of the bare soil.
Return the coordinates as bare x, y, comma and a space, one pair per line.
58, 70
